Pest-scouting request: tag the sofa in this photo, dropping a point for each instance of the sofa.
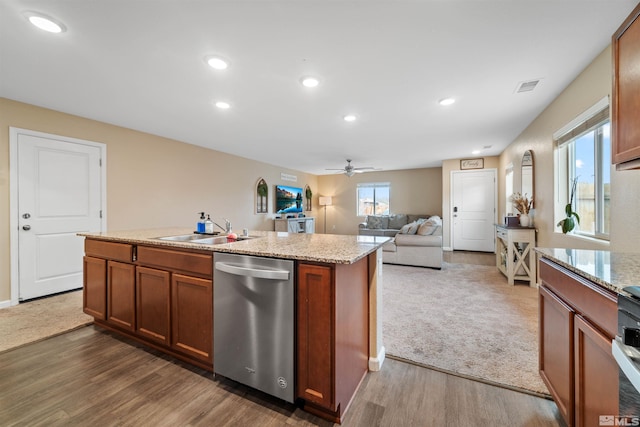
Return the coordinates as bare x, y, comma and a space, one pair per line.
416, 239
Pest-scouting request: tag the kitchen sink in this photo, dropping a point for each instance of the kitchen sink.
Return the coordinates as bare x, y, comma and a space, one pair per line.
215, 240
183, 237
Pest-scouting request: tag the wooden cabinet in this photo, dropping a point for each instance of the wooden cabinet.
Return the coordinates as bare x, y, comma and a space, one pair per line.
192, 316
514, 253
625, 105
556, 357
295, 225
95, 287
331, 360
160, 296
121, 294
153, 304
596, 374
578, 320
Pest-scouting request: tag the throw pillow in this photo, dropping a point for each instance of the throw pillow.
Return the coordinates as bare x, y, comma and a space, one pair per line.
397, 221
377, 222
427, 228
410, 228
436, 220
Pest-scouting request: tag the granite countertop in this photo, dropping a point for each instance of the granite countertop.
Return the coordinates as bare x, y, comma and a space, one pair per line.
326, 248
611, 270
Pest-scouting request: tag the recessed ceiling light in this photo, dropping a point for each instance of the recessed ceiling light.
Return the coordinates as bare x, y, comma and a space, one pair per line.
217, 62
223, 105
446, 101
45, 22
476, 152
310, 81
349, 118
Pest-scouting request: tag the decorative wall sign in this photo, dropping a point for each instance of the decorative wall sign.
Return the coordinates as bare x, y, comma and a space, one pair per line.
288, 177
472, 164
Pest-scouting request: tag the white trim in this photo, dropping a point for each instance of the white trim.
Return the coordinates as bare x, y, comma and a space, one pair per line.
5, 304
375, 363
13, 194
582, 117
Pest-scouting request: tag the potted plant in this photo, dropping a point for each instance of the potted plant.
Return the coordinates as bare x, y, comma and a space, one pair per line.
523, 205
569, 223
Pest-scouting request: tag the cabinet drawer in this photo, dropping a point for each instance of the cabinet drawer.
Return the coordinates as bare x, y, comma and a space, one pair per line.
501, 234
593, 302
198, 264
108, 250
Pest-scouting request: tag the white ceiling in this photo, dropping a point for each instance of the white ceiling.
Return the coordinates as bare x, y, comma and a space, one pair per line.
140, 64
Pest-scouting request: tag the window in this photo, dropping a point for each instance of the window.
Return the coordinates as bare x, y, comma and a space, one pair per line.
373, 199
584, 155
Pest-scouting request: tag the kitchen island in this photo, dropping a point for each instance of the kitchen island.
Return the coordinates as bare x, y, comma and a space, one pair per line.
159, 292
578, 321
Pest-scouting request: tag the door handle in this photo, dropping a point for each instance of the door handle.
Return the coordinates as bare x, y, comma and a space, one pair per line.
26, 227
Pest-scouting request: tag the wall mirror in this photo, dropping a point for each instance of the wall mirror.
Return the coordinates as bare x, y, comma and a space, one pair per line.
527, 174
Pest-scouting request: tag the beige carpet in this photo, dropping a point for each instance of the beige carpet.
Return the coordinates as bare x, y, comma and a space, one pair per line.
35, 320
463, 319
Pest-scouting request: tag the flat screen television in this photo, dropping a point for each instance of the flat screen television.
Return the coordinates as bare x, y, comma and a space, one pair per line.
288, 199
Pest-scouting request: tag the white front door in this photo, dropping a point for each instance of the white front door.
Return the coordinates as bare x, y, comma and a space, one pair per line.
59, 193
473, 212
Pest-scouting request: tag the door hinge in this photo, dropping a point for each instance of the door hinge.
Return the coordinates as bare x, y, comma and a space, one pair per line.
100, 162
100, 213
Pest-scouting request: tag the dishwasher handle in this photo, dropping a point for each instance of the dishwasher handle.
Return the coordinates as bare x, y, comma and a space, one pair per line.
252, 271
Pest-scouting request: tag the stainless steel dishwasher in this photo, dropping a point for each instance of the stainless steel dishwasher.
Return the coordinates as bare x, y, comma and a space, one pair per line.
253, 322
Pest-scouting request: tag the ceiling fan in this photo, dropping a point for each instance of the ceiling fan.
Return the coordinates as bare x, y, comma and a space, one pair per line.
349, 170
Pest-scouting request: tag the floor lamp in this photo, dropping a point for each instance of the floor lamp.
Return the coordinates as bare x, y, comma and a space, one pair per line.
325, 201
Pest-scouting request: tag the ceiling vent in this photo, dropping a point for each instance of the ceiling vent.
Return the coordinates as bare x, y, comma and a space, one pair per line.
527, 86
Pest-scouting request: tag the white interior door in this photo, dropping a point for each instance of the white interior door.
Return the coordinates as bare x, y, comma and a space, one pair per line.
59, 193
473, 212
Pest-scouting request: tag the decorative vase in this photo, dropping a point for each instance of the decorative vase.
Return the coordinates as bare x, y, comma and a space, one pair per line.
524, 220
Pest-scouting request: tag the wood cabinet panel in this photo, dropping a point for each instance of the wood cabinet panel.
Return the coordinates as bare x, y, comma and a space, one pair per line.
121, 294
625, 105
108, 250
598, 304
197, 264
315, 335
153, 304
94, 295
596, 375
556, 353
192, 316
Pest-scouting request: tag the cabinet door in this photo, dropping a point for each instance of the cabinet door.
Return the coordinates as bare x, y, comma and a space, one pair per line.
625, 131
315, 335
310, 227
94, 296
556, 351
596, 374
192, 316
293, 227
153, 304
121, 294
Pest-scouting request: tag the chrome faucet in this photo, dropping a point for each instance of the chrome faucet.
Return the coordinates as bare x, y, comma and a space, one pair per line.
226, 228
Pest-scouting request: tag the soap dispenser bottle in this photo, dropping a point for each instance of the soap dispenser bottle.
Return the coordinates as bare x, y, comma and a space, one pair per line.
200, 227
208, 225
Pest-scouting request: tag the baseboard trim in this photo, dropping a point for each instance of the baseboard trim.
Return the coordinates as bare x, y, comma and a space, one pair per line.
5, 304
375, 363
447, 249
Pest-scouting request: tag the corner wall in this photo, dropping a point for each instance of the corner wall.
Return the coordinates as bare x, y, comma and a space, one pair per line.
594, 83
413, 191
151, 181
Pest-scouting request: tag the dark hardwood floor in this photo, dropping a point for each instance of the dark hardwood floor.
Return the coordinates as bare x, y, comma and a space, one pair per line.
89, 377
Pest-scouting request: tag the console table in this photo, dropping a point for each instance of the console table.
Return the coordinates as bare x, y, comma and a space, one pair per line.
295, 225
514, 253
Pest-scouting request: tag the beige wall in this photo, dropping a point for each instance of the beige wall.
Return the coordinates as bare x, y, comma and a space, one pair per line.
449, 166
413, 191
589, 87
151, 181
